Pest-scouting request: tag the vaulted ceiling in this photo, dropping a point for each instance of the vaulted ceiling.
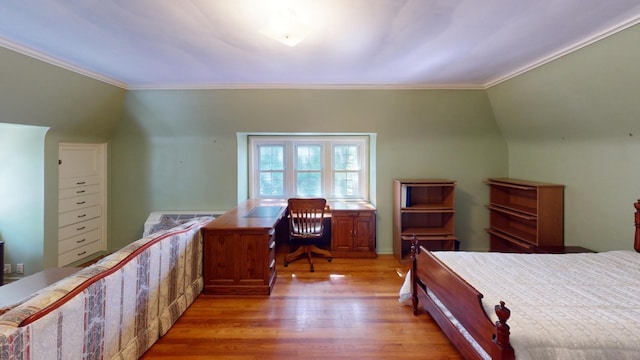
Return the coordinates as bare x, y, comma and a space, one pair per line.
349, 43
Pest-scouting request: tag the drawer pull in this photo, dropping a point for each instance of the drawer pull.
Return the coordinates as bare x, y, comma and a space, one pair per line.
82, 253
80, 202
272, 245
81, 216
79, 191
273, 263
81, 228
81, 182
81, 241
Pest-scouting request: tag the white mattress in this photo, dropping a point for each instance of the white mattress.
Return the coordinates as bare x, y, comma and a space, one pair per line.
572, 306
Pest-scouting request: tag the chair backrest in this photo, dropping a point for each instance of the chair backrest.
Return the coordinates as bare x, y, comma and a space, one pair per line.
306, 217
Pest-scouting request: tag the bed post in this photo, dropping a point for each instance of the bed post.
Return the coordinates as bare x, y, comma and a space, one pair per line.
636, 243
502, 347
414, 285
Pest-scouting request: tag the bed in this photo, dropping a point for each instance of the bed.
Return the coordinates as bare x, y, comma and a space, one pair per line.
533, 306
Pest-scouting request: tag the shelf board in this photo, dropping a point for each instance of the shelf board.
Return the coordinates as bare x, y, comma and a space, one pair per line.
430, 238
423, 231
439, 208
520, 184
511, 236
521, 212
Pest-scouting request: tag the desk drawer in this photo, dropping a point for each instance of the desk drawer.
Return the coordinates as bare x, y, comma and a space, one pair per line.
271, 259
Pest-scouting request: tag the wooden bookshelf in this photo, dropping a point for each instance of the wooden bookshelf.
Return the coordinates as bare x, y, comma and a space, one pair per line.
525, 215
424, 209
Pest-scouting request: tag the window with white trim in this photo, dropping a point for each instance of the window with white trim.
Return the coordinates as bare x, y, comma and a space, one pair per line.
333, 167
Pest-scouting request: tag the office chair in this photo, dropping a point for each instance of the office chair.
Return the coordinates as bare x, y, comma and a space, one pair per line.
306, 225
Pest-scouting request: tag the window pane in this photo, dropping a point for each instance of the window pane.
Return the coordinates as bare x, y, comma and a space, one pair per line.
308, 184
271, 157
271, 184
346, 184
309, 157
334, 167
346, 157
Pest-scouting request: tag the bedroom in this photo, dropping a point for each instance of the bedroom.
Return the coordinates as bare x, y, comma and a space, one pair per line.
572, 121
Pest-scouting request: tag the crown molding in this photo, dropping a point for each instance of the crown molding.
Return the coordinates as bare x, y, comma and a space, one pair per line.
24, 50
570, 49
533, 65
307, 87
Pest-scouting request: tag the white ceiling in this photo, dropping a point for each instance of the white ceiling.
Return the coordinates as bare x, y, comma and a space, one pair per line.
352, 43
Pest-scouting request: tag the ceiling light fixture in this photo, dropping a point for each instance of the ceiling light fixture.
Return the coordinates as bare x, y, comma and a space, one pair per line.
286, 28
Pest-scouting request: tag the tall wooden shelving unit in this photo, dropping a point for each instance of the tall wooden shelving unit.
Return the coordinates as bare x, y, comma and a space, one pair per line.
424, 208
525, 216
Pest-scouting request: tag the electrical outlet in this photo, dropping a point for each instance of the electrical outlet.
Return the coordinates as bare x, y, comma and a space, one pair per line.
20, 268
7, 268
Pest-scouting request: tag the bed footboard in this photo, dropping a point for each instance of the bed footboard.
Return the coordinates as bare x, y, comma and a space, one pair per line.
463, 302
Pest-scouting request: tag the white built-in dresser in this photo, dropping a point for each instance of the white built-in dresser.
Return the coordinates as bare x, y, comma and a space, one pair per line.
81, 201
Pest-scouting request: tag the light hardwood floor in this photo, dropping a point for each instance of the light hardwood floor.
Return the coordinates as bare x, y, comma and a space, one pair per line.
346, 309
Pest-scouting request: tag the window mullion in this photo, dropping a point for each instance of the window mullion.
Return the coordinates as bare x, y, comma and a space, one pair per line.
290, 169
327, 173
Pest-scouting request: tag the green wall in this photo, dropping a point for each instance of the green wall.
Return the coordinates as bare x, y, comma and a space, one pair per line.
572, 121
176, 150
75, 108
22, 194
576, 121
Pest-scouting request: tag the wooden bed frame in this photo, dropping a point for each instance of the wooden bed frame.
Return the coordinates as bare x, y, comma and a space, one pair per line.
464, 303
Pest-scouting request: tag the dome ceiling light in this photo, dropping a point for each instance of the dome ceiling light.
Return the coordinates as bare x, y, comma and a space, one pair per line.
286, 28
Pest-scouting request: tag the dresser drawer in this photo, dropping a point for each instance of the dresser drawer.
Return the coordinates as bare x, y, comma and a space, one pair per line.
78, 241
77, 229
65, 183
76, 216
78, 191
79, 253
78, 202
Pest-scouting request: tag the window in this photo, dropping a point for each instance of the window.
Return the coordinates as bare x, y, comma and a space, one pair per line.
333, 167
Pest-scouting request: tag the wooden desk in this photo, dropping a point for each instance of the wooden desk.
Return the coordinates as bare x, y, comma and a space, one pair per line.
239, 246
240, 249
353, 230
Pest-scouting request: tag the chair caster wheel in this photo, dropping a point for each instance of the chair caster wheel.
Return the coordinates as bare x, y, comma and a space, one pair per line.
329, 259
286, 264
311, 269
